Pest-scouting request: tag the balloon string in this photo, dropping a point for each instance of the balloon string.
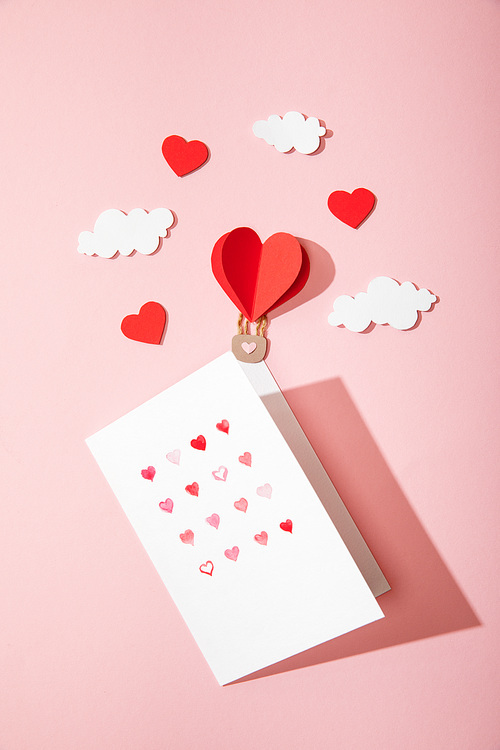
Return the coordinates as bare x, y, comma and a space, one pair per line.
244, 325
261, 326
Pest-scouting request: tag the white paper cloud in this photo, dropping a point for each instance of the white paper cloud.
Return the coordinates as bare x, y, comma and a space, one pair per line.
116, 232
385, 301
293, 131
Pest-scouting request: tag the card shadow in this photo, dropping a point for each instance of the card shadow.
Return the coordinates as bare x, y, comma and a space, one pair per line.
425, 600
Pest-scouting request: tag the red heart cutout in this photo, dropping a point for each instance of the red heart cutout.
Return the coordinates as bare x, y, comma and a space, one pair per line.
193, 489
183, 156
199, 443
286, 525
258, 276
223, 426
147, 326
351, 208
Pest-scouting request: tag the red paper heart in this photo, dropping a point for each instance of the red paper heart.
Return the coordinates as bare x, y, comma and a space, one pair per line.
147, 326
351, 208
183, 156
193, 489
223, 426
199, 443
257, 277
286, 525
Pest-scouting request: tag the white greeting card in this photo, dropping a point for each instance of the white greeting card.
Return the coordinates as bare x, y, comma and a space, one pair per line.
231, 522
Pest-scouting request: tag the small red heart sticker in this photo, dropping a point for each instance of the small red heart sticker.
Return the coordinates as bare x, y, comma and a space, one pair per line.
351, 208
193, 489
286, 525
199, 443
183, 156
223, 426
147, 326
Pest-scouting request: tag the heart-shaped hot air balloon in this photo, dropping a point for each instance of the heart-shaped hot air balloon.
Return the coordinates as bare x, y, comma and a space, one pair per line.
256, 276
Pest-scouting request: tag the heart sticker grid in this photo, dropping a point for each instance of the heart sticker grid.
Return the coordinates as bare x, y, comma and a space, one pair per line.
250, 534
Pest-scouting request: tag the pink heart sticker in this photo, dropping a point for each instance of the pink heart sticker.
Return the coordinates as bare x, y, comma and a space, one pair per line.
265, 491
149, 473
241, 504
261, 538
187, 537
223, 426
167, 505
249, 346
232, 554
207, 567
246, 459
213, 520
174, 456
220, 474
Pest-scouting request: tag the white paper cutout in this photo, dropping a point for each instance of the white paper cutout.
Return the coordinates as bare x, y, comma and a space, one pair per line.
251, 593
116, 232
385, 301
293, 131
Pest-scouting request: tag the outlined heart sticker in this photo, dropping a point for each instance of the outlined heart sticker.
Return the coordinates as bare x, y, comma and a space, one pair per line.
148, 326
351, 208
256, 276
183, 156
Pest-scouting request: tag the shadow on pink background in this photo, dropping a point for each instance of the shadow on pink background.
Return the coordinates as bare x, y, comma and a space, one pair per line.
424, 600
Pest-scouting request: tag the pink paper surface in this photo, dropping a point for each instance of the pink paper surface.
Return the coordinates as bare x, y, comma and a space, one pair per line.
93, 651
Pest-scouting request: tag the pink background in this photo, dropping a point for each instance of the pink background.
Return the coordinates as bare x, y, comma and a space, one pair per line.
93, 652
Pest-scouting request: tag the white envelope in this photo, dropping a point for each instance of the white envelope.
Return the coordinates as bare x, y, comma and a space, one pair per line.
232, 523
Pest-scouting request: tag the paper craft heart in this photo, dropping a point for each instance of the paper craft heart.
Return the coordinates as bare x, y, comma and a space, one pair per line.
213, 520
183, 156
261, 538
220, 474
351, 208
246, 459
174, 456
167, 505
199, 443
241, 504
187, 537
207, 567
265, 491
193, 489
232, 554
149, 473
286, 525
147, 326
223, 426
258, 277
249, 346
